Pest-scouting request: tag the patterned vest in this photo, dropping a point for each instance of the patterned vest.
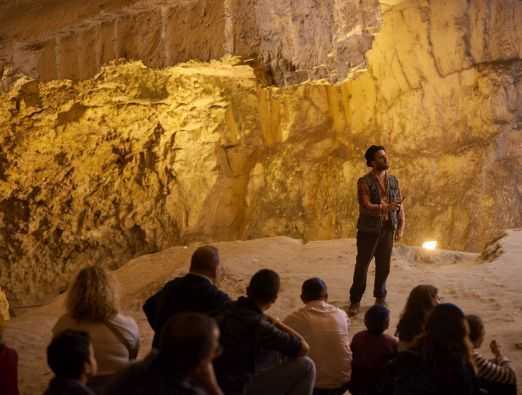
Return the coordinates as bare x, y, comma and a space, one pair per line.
374, 223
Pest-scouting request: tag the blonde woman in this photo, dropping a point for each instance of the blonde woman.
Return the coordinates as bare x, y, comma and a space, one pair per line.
92, 306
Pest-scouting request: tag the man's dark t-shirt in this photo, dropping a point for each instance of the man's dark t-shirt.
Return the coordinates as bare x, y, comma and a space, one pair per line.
247, 338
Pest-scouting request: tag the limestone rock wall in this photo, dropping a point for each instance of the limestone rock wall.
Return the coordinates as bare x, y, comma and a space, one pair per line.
137, 159
131, 162
292, 40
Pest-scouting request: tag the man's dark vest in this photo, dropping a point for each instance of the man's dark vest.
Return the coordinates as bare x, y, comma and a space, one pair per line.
373, 223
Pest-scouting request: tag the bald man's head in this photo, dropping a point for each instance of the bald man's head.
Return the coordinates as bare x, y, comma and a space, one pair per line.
205, 260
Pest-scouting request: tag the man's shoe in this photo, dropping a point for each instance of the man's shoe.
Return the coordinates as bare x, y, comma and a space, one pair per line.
353, 310
381, 302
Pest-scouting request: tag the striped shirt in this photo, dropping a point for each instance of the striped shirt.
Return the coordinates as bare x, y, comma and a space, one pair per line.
494, 370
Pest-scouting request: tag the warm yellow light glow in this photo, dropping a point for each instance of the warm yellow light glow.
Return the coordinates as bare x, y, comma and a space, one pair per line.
430, 245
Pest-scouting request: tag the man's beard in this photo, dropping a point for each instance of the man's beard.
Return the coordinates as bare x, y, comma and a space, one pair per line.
383, 167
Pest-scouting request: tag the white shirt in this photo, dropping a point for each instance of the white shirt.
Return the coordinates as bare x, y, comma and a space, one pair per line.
325, 329
109, 351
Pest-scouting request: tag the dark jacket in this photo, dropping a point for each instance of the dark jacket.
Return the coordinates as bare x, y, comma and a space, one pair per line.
146, 378
8, 371
190, 293
248, 340
59, 386
412, 376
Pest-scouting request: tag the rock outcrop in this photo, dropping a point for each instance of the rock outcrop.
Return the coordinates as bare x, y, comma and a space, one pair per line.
139, 159
291, 40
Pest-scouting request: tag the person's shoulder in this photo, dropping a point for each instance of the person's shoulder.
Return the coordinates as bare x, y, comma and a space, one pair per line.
10, 354
364, 178
124, 320
390, 339
360, 336
176, 281
296, 317
339, 312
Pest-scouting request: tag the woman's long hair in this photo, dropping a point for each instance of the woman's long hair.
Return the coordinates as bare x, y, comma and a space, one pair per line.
445, 347
421, 301
93, 295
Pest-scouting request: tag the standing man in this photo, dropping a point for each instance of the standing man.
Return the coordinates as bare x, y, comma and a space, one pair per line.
381, 220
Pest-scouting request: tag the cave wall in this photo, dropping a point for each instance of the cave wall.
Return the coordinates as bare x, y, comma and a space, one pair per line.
291, 40
138, 159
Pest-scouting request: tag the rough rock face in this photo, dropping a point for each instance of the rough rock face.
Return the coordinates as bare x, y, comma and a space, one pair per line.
131, 162
137, 159
293, 40
4, 310
444, 86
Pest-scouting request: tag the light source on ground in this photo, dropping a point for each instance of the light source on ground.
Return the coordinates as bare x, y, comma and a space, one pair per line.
430, 245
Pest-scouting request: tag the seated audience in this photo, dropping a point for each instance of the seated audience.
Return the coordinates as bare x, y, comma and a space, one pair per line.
249, 337
496, 375
71, 358
440, 362
421, 301
195, 292
8, 362
372, 349
92, 306
182, 364
325, 329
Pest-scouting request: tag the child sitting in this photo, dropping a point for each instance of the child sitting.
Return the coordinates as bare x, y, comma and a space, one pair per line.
372, 349
71, 358
495, 375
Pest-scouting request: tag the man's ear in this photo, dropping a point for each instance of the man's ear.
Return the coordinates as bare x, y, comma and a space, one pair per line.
326, 296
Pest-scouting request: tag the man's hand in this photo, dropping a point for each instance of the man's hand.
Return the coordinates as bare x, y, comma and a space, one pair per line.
398, 234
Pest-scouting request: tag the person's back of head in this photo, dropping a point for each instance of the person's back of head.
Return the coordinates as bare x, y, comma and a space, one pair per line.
421, 301
476, 330
314, 289
377, 319
205, 260
93, 295
187, 341
445, 345
264, 287
70, 355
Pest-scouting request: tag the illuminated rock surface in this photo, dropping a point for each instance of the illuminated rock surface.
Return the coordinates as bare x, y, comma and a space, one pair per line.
136, 160
4, 307
292, 40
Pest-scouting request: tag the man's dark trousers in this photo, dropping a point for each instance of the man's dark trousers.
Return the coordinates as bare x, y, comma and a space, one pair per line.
370, 245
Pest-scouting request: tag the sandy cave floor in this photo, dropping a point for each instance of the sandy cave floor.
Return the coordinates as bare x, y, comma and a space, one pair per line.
491, 290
